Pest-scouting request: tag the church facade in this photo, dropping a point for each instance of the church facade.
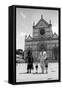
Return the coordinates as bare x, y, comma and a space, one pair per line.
42, 38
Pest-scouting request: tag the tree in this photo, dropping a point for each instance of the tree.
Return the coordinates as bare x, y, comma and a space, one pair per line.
19, 51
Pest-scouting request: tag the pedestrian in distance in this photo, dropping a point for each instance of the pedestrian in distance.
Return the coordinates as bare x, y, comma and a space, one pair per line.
36, 66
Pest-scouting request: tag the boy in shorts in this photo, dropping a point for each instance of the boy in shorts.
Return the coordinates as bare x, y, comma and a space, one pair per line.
36, 66
46, 65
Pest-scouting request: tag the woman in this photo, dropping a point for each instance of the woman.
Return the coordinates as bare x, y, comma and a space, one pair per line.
29, 61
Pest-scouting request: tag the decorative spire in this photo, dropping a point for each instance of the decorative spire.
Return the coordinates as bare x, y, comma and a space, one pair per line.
33, 23
25, 36
41, 16
49, 21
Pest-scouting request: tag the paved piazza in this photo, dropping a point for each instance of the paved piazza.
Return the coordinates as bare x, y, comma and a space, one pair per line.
21, 74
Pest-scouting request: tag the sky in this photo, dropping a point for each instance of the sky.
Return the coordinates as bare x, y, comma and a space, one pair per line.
24, 22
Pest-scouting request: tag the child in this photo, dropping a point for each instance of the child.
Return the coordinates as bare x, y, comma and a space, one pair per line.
46, 65
36, 68
46, 61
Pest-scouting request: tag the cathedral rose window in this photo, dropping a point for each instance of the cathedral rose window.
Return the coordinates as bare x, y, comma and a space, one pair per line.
42, 31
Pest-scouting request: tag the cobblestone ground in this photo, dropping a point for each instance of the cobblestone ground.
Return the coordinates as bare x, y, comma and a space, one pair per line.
21, 74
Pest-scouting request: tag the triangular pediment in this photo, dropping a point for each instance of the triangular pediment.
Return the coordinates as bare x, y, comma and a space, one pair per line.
41, 23
55, 35
29, 38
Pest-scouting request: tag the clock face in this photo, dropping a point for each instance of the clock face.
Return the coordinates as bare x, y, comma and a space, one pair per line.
42, 31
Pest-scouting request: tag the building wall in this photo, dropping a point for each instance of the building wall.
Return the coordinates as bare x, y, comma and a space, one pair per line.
38, 39
34, 45
35, 32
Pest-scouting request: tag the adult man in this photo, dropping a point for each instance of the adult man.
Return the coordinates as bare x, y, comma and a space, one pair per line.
46, 61
43, 58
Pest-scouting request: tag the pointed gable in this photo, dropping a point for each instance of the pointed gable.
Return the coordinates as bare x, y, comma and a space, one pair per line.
29, 38
41, 23
55, 35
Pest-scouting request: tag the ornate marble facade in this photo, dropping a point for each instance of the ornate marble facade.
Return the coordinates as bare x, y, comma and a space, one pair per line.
43, 37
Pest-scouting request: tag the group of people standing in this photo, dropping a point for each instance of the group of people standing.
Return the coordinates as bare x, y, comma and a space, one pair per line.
43, 61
